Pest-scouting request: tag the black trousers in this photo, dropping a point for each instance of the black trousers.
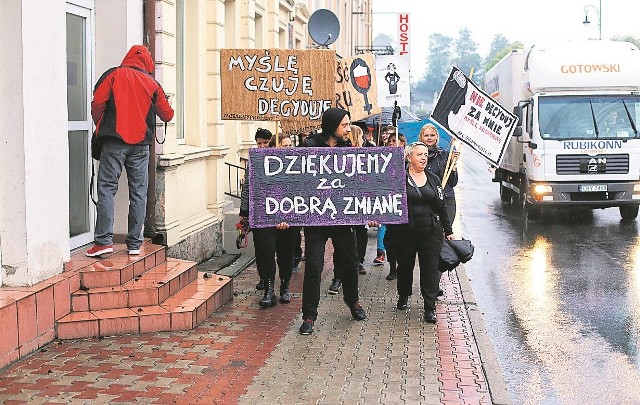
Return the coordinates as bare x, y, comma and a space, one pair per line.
361, 248
344, 242
297, 250
391, 245
270, 242
426, 243
451, 208
361, 240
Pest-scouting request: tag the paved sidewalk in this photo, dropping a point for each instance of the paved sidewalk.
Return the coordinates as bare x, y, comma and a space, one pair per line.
245, 354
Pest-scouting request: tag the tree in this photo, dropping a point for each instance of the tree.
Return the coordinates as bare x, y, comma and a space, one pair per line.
627, 38
498, 44
467, 57
490, 62
438, 67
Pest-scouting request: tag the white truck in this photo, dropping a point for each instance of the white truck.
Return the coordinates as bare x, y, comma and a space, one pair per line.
577, 140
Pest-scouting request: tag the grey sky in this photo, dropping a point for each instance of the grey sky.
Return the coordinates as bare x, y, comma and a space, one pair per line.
528, 22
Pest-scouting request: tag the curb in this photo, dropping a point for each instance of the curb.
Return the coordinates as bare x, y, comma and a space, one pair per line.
237, 267
495, 378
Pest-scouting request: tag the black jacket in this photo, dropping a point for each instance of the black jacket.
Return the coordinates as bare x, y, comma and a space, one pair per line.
436, 164
437, 206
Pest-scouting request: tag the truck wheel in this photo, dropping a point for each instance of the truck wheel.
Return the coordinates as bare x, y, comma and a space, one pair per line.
506, 194
531, 211
629, 211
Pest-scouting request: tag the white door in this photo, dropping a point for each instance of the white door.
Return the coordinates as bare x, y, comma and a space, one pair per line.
79, 74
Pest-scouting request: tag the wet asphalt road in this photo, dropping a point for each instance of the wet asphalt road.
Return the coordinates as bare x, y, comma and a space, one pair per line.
560, 296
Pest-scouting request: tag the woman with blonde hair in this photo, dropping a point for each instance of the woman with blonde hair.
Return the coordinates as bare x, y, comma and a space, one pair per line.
356, 136
438, 158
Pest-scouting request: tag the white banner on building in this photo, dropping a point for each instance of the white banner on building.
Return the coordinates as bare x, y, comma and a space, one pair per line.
472, 116
392, 74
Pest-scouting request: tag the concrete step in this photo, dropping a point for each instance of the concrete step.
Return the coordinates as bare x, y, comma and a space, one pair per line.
150, 288
184, 310
119, 267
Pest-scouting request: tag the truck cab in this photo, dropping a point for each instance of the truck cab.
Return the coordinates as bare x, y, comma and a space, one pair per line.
577, 142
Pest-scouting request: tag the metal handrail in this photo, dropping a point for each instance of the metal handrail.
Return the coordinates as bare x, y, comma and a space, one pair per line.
236, 172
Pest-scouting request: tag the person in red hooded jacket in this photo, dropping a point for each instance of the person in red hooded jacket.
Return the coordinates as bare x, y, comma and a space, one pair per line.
126, 100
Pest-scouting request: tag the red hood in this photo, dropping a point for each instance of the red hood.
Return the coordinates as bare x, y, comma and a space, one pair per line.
139, 57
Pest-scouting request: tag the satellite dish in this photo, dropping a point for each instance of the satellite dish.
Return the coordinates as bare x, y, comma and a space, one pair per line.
324, 27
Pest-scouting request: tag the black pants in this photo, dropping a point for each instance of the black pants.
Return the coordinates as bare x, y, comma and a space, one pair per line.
451, 208
297, 250
427, 243
344, 242
271, 241
338, 264
390, 240
361, 240
361, 245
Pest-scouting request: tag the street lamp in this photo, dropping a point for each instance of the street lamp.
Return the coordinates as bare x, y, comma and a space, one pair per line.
599, 12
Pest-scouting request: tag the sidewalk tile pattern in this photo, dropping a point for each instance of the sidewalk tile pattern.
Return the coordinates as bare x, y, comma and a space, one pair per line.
244, 354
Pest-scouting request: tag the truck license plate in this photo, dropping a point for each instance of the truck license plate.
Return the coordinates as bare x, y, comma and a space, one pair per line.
586, 188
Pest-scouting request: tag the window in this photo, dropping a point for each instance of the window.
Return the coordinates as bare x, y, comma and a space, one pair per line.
584, 117
259, 27
79, 30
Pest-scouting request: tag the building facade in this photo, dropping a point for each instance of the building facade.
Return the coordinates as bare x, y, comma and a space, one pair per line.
51, 56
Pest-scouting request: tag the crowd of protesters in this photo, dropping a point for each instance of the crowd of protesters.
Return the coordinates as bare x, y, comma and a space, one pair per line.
431, 209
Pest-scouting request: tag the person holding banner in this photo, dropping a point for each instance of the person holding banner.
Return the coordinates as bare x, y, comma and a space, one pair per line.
271, 241
298, 255
440, 163
389, 237
336, 124
350, 139
423, 234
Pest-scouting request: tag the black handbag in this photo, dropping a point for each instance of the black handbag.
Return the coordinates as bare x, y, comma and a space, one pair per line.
455, 252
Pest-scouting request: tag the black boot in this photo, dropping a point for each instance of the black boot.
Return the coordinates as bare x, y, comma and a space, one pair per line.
285, 297
393, 274
269, 299
260, 285
430, 315
403, 302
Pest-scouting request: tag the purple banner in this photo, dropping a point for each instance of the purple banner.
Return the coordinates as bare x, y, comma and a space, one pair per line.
326, 186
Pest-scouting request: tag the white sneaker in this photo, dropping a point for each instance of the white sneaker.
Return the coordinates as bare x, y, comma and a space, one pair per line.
134, 252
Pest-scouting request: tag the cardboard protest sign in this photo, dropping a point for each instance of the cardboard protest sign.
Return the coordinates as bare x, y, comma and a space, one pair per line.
326, 186
356, 92
299, 127
471, 115
356, 86
276, 84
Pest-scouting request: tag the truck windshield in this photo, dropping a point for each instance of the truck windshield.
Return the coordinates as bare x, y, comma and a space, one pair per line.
584, 117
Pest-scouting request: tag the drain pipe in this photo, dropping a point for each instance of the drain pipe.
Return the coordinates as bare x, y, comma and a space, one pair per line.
149, 11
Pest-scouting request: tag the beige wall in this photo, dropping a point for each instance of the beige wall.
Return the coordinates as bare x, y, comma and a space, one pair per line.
192, 174
191, 177
34, 157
